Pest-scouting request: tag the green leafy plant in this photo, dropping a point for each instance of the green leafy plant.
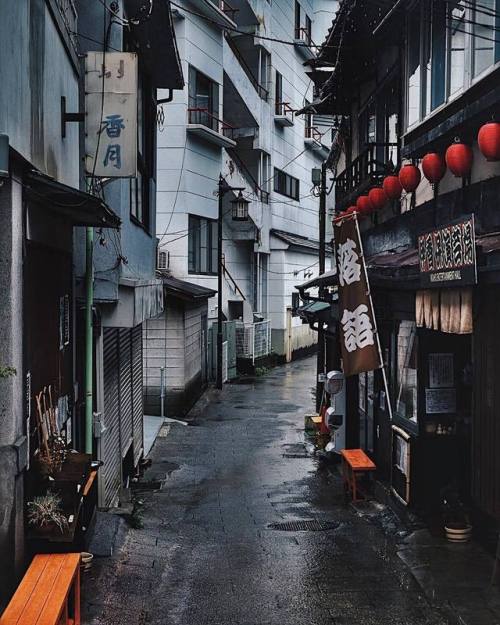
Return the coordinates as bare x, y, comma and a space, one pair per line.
7, 371
46, 511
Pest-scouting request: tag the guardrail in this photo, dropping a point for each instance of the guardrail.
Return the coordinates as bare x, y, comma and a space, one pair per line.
204, 117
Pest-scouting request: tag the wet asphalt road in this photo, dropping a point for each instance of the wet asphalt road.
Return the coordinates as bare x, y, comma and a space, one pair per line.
206, 554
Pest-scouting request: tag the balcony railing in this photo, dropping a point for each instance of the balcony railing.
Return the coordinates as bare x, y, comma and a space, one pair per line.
303, 34
312, 132
204, 117
284, 108
364, 171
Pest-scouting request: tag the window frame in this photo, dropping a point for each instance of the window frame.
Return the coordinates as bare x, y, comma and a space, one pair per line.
429, 103
202, 240
210, 120
282, 181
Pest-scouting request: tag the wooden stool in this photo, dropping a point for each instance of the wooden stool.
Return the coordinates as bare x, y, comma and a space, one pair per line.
355, 463
49, 593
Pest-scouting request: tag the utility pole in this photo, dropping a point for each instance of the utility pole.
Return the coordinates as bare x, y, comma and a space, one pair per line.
219, 285
320, 367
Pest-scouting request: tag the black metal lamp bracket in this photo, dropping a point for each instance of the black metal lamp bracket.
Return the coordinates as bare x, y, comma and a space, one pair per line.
68, 117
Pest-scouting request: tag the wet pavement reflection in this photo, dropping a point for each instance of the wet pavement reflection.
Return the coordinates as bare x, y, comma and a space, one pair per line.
207, 554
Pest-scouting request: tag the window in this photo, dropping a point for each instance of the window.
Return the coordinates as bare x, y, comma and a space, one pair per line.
308, 29
265, 176
414, 73
484, 31
278, 93
202, 245
264, 68
286, 184
140, 194
456, 46
449, 44
203, 100
406, 371
297, 20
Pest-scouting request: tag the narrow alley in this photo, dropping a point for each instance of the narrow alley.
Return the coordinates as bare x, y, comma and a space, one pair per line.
207, 554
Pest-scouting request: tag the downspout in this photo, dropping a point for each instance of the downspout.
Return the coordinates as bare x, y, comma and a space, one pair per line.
89, 337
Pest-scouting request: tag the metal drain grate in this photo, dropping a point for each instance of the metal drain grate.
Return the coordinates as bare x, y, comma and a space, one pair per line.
311, 525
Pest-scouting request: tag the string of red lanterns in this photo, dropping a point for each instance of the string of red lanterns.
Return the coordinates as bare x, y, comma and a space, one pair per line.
457, 158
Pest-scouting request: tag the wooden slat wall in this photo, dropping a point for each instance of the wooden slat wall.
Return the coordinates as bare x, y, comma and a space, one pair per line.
137, 398
111, 469
486, 417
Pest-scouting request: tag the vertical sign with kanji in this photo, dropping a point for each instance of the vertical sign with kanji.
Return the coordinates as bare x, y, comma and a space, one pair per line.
359, 340
111, 114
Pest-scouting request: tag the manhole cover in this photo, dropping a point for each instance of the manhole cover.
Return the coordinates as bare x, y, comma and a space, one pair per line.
304, 526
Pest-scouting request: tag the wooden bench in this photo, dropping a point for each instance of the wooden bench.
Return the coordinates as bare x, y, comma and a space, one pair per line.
355, 464
49, 593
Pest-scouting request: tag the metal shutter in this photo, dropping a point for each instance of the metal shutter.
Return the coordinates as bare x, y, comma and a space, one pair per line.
110, 449
125, 374
137, 399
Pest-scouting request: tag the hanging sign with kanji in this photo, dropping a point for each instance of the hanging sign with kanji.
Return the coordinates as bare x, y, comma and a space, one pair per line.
358, 331
447, 256
111, 114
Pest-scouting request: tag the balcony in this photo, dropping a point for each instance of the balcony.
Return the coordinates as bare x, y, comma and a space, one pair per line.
365, 171
283, 114
312, 140
304, 44
219, 10
202, 123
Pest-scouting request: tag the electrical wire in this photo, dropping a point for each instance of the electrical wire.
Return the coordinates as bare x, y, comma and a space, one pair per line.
165, 233
241, 32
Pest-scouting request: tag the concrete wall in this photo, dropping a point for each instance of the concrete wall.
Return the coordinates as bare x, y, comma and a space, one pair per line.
173, 341
189, 168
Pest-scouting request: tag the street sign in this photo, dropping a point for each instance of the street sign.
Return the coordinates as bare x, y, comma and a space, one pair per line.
447, 255
111, 114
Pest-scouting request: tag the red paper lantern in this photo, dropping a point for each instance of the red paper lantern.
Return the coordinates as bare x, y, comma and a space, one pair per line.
488, 140
351, 209
364, 205
409, 177
378, 198
392, 187
459, 159
434, 167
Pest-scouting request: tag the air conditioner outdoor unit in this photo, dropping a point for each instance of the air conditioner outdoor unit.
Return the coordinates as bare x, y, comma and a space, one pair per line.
163, 260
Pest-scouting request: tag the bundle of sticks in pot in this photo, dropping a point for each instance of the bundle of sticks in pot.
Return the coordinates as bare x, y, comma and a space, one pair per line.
52, 446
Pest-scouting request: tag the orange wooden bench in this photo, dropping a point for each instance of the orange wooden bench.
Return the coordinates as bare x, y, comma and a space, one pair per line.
49, 593
355, 464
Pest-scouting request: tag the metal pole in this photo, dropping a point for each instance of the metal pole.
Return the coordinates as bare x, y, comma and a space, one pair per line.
89, 337
320, 367
162, 391
219, 288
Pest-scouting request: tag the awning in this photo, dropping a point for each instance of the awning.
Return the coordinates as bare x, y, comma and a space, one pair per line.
329, 278
295, 240
157, 45
186, 290
76, 207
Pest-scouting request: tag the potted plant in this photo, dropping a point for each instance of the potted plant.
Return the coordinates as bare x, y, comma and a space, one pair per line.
45, 513
457, 525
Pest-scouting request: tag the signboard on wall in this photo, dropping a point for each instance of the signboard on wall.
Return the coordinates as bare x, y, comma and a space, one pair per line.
111, 114
447, 256
358, 330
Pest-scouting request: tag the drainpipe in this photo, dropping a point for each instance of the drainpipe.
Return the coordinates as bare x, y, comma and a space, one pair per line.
89, 337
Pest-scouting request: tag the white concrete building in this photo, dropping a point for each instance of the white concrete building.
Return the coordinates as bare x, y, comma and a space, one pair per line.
236, 117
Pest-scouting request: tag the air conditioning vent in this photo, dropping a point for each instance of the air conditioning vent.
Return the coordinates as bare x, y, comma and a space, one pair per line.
163, 260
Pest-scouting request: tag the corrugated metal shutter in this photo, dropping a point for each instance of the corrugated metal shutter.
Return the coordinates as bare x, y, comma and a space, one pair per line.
137, 397
125, 375
110, 449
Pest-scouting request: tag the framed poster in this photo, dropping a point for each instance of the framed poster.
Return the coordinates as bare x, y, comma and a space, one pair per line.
440, 400
441, 373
